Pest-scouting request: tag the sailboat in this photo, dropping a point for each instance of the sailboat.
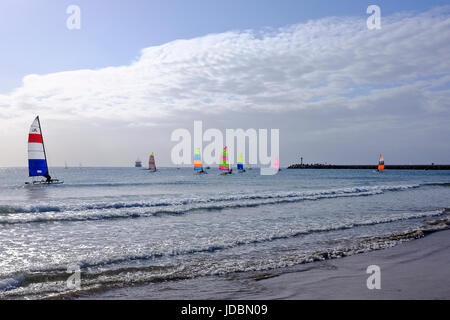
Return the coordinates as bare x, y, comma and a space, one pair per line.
151, 163
240, 164
224, 165
381, 164
198, 166
277, 164
37, 158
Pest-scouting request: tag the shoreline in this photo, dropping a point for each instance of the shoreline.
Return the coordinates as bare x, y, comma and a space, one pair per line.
415, 269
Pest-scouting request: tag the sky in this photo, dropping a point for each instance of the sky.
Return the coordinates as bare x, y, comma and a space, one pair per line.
135, 71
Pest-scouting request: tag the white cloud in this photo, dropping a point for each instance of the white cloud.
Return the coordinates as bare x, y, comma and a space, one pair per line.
302, 66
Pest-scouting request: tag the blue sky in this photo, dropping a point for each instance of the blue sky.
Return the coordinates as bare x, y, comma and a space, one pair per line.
137, 70
113, 32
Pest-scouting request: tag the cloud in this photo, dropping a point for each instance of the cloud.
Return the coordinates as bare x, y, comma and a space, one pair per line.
327, 63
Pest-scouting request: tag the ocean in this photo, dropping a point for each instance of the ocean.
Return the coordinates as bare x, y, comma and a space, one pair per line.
128, 227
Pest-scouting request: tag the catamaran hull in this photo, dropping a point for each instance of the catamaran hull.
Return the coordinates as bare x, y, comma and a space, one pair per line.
44, 182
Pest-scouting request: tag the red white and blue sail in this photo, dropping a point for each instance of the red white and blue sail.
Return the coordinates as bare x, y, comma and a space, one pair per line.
37, 160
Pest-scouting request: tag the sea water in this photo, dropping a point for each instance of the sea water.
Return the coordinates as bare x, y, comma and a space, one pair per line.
125, 227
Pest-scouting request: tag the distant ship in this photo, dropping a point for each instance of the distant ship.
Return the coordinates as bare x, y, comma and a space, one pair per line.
138, 163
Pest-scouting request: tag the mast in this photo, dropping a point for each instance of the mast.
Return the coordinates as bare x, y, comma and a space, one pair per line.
43, 145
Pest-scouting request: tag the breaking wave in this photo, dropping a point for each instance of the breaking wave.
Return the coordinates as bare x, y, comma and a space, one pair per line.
50, 283
135, 209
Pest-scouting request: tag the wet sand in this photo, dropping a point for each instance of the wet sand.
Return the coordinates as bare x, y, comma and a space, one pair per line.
417, 269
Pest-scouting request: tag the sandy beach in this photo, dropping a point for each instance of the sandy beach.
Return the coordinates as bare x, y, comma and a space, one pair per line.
417, 269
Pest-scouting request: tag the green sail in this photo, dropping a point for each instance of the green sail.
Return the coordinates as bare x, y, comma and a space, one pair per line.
224, 164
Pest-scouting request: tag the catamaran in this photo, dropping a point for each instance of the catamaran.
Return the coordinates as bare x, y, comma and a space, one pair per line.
277, 164
198, 166
151, 163
37, 158
240, 164
224, 165
381, 164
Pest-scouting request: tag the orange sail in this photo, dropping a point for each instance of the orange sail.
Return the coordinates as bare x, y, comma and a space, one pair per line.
198, 161
381, 163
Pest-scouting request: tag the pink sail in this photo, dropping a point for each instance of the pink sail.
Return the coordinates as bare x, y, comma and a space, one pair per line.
224, 164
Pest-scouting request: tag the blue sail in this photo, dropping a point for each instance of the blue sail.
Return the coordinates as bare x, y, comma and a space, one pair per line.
37, 167
197, 160
240, 162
